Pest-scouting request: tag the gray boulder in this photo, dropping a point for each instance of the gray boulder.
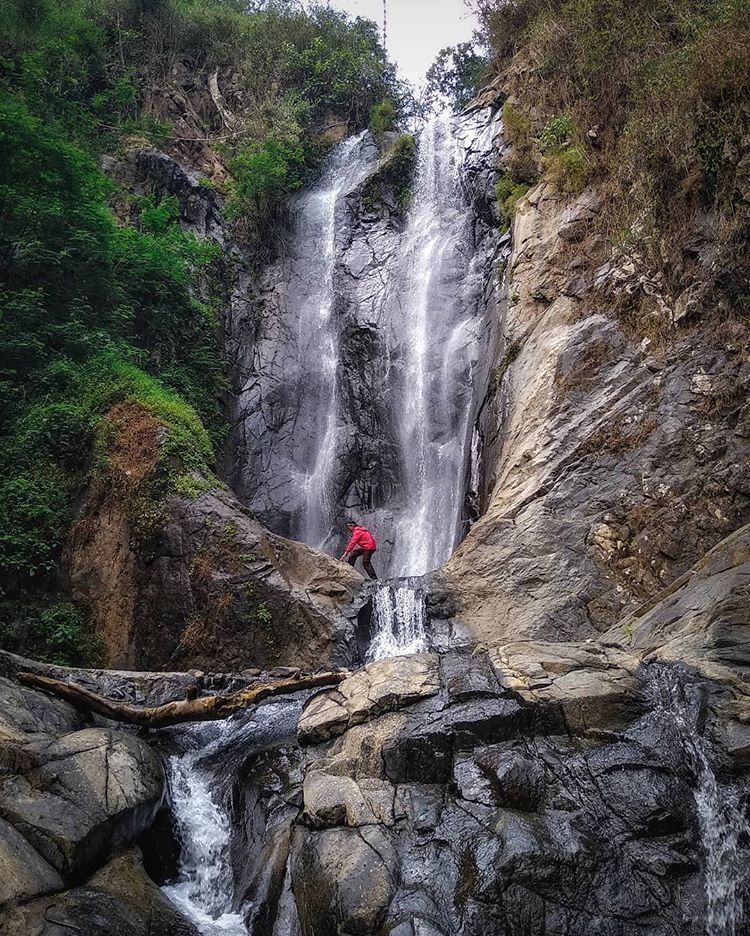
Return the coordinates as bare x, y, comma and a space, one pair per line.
119, 900
90, 793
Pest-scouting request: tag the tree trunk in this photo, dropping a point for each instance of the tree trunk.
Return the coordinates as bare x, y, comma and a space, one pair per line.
208, 708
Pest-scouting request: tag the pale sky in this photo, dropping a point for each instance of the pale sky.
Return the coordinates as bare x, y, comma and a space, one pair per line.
417, 29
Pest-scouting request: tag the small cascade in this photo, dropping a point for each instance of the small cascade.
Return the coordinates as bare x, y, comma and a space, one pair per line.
398, 622
204, 890
721, 820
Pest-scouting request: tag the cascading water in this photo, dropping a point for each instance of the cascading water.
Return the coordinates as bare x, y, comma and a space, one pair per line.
436, 329
372, 334
721, 820
318, 335
200, 784
290, 401
438, 344
363, 385
204, 889
399, 621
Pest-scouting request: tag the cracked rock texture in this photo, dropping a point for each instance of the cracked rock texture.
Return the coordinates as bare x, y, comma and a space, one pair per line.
611, 463
218, 591
276, 412
71, 796
519, 787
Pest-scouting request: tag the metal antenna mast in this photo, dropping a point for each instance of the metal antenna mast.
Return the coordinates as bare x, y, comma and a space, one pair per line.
385, 23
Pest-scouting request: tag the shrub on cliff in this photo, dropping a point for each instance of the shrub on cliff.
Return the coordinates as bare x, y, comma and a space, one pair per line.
654, 96
87, 307
105, 323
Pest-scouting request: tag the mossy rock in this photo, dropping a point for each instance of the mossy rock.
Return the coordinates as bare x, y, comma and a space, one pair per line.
390, 183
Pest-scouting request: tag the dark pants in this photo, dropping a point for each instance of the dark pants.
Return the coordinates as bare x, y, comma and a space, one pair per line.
366, 556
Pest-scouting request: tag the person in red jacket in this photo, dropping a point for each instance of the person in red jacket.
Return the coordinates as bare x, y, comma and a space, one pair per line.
361, 543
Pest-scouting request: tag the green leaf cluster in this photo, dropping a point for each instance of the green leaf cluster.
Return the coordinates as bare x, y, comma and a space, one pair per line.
91, 313
456, 75
96, 311
508, 192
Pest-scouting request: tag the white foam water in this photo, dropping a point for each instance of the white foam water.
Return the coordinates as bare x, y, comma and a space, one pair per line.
399, 622
721, 819
204, 890
319, 344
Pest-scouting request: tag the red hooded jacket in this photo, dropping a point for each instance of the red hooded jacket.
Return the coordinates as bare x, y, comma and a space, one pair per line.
361, 537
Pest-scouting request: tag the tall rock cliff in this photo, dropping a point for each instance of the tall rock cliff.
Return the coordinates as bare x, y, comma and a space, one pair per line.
614, 457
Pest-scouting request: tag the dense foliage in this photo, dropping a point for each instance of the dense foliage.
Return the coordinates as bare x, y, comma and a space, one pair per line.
455, 76
100, 320
651, 96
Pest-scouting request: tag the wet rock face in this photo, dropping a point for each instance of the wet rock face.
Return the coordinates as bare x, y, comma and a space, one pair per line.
119, 900
70, 797
277, 415
90, 792
534, 789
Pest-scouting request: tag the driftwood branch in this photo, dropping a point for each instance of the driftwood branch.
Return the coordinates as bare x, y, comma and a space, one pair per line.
208, 708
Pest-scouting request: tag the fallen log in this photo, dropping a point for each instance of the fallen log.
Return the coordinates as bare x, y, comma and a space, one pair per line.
207, 708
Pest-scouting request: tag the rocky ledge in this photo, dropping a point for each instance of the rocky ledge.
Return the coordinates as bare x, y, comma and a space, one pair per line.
520, 787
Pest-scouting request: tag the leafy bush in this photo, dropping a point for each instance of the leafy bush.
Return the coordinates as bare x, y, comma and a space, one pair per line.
662, 85
508, 192
521, 162
557, 132
34, 517
517, 125
56, 633
394, 172
567, 167
456, 75
383, 116
264, 174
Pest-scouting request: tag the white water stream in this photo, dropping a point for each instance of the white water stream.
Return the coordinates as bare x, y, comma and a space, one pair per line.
318, 338
204, 890
200, 779
721, 821
437, 345
399, 621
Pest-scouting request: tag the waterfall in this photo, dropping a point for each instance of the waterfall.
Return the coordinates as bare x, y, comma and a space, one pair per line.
204, 890
200, 777
362, 375
722, 822
439, 337
318, 334
398, 621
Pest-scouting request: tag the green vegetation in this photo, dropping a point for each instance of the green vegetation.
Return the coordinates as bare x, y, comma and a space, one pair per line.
56, 633
498, 375
109, 365
383, 116
456, 76
660, 87
264, 174
394, 173
508, 192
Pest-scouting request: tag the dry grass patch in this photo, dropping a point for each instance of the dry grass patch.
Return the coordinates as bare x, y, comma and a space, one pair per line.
617, 438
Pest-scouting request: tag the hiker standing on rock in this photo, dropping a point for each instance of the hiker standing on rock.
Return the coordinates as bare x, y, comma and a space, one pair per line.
362, 543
